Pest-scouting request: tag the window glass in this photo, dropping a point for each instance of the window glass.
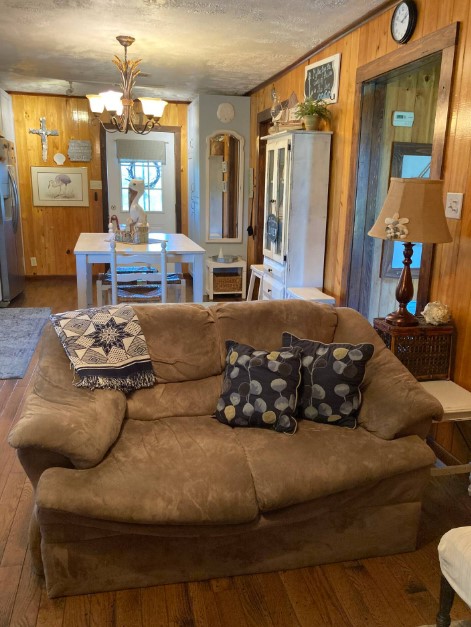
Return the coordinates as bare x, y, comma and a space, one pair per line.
151, 173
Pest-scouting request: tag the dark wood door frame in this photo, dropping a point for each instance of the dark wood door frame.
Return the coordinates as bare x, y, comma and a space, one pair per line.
444, 41
177, 131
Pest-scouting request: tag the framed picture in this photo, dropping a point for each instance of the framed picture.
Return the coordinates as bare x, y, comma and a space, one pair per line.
59, 187
322, 79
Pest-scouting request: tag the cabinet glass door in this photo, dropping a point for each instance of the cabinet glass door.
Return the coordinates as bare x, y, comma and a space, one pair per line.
280, 201
269, 199
275, 200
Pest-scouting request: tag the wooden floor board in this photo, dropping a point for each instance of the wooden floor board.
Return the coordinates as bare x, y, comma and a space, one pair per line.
393, 591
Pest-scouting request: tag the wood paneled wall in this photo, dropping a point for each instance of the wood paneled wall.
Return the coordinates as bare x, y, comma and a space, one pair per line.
451, 276
50, 233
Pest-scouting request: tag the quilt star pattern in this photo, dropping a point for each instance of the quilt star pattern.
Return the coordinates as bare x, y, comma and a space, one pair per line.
106, 347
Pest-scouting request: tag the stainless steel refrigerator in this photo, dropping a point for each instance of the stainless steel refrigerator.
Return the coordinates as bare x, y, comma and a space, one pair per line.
12, 274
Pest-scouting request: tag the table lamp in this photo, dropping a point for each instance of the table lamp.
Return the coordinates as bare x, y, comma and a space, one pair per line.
412, 212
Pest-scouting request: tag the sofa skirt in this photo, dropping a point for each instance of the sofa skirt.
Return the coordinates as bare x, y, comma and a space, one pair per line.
82, 556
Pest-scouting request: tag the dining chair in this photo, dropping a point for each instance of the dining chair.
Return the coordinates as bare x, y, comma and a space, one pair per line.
135, 285
454, 553
139, 281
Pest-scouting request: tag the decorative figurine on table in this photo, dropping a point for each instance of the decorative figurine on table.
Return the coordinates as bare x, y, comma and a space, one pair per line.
436, 313
137, 221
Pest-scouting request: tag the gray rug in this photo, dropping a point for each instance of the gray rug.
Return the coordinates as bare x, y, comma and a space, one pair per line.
20, 330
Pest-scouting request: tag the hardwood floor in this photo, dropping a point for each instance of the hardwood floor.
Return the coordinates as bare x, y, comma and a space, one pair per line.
399, 590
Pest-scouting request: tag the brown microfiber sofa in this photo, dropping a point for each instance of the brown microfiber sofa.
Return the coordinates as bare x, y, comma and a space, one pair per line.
151, 489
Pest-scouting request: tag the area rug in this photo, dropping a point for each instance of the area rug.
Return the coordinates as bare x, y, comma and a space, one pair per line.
20, 330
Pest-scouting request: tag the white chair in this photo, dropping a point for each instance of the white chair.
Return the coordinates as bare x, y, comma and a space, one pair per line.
454, 552
139, 282
256, 270
122, 288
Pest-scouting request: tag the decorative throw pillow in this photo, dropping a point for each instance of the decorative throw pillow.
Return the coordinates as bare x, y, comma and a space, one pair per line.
260, 387
331, 379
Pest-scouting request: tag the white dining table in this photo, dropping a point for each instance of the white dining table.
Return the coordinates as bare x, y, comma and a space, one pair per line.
95, 248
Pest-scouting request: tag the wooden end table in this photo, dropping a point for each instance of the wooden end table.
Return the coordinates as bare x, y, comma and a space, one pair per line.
456, 403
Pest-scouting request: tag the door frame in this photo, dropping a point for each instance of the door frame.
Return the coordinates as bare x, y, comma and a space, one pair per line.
443, 40
176, 130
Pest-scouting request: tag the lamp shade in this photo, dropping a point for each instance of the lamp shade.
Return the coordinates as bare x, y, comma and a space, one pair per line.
96, 103
153, 106
413, 212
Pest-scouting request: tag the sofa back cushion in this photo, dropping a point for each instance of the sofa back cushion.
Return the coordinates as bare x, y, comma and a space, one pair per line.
186, 344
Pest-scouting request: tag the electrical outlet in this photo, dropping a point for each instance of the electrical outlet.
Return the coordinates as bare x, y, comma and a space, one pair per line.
454, 204
33, 261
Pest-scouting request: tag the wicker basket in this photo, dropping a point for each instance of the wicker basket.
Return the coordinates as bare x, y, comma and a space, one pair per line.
227, 281
425, 350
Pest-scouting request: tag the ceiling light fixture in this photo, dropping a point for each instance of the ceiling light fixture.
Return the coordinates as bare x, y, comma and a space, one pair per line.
122, 114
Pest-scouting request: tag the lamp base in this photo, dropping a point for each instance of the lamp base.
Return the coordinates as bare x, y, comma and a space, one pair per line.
402, 318
404, 293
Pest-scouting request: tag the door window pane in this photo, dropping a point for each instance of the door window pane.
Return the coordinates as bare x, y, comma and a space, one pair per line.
151, 173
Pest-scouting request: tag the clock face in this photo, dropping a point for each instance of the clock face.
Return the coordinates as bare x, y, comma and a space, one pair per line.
403, 21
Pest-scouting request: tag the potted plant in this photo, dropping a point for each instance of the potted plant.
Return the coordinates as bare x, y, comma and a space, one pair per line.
312, 112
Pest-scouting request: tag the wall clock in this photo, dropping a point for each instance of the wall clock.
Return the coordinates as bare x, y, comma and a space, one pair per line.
403, 21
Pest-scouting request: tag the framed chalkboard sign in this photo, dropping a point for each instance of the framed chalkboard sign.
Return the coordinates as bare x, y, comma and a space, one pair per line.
322, 79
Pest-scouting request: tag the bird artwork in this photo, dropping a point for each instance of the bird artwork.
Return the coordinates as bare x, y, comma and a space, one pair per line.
61, 181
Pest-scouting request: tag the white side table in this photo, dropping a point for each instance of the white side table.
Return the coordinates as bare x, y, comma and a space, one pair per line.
309, 293
456, 402
240, 265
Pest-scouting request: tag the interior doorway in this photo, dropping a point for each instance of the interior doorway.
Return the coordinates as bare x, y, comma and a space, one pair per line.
160, 171
397, 128
415, 83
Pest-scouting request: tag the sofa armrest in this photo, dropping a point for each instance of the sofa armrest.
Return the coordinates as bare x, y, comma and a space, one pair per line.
394, 404
75, 423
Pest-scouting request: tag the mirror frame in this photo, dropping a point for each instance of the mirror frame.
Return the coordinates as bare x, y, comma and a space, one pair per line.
240, 186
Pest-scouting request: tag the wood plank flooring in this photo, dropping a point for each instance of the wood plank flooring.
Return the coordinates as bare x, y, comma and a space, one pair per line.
394, 591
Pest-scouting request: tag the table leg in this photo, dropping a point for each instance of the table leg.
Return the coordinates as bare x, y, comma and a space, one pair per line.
198, 278
84, 282
244, 282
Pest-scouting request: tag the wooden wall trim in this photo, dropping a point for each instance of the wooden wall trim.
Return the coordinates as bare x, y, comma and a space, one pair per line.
325, 44
443, 40
434, 42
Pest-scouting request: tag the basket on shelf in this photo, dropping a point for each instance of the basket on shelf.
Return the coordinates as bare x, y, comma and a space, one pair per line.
227, 281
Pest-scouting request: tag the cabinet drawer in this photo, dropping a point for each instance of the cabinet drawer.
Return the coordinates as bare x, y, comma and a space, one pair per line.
274, 270
272, 289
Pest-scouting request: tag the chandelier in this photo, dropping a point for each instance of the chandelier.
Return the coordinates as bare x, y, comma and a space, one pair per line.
120, 107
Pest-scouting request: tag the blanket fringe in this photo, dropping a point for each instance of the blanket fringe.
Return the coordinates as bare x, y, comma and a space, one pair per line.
126, 384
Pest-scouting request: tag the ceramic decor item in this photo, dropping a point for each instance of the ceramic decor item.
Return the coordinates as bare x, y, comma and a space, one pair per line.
436, 313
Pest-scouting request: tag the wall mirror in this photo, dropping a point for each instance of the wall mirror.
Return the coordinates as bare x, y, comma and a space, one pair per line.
224, 186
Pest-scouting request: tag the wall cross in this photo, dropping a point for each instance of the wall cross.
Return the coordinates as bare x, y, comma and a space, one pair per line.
44, 133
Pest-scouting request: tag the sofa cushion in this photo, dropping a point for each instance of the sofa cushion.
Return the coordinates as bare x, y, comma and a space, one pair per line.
169, 471
182, 340
331, 379
259, 323
259, 388
319, 461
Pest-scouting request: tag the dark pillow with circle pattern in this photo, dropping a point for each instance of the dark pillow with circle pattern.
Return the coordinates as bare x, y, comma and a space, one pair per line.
331, 379
260, 387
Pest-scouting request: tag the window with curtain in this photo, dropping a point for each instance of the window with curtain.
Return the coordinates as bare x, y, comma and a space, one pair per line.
151, 173
142, 160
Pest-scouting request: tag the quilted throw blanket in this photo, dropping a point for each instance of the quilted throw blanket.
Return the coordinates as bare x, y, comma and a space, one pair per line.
106, 347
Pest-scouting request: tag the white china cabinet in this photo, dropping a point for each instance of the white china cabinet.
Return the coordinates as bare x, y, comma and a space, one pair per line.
296, 194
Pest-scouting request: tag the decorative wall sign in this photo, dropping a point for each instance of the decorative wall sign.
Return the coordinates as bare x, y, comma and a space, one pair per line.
80, 150
272, 227
44, 134
59, 187
322, 79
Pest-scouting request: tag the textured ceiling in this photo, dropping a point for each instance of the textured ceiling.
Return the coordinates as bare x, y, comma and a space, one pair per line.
187, 46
